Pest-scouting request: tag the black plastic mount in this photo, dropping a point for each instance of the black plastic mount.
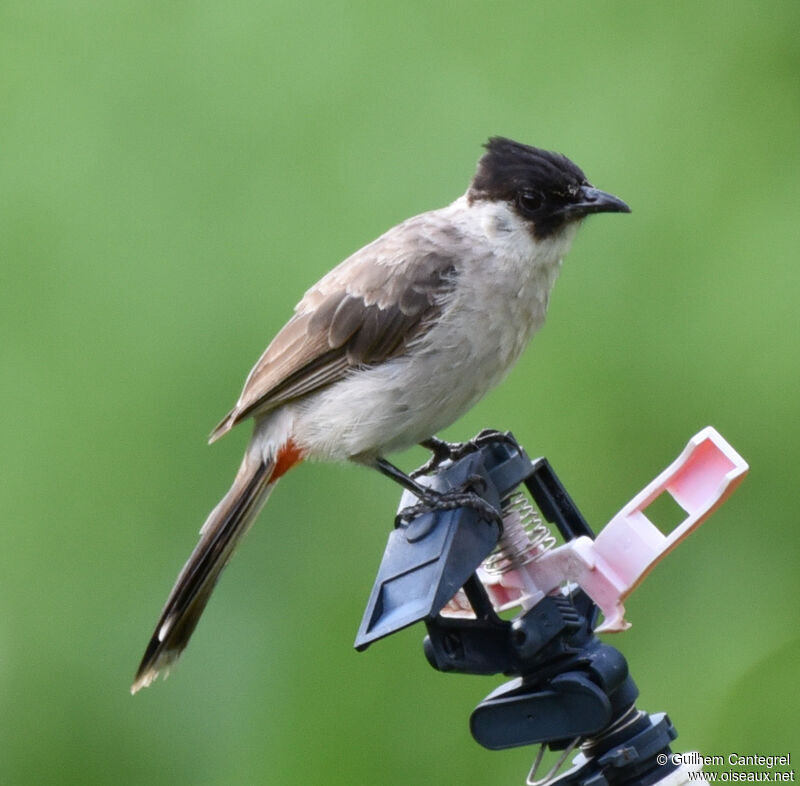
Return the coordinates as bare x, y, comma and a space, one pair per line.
567, 683
429, 559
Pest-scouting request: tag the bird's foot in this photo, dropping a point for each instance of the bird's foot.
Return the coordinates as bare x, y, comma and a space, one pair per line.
464, 496
441, 451
453, 451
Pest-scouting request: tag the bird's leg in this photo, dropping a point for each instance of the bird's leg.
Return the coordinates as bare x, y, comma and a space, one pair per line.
431, 501
398, 476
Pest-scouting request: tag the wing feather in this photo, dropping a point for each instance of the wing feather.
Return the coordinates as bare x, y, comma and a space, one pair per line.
365, 311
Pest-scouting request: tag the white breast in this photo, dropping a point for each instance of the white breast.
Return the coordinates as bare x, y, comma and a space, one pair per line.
500, 300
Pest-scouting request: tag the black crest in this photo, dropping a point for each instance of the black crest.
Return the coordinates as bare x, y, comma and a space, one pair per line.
508, 167
539, 183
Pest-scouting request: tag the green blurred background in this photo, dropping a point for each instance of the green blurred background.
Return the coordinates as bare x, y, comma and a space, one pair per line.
174, 175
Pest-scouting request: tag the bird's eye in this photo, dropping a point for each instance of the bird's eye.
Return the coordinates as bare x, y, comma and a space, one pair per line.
529, 201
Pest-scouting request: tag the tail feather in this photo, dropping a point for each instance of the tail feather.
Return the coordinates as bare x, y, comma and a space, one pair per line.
220, 535
223, 427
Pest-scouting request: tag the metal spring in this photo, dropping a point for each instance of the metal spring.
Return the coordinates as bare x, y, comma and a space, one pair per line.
532, 780
525, 536
628, 718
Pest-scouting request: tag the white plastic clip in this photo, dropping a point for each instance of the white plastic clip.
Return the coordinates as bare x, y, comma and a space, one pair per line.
609, 568
699, 480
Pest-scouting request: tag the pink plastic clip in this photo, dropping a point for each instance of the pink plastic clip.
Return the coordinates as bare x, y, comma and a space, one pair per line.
609, 567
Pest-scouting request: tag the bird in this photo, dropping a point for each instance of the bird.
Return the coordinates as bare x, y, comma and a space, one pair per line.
390, 347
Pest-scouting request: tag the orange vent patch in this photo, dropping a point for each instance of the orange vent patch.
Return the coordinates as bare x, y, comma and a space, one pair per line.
287, 457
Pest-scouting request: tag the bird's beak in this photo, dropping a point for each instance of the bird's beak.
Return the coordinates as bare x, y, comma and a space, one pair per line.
593, 200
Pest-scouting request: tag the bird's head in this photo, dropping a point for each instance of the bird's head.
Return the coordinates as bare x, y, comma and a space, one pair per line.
545, 189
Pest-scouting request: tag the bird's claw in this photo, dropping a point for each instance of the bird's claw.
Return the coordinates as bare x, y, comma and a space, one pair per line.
464, 496
442, 450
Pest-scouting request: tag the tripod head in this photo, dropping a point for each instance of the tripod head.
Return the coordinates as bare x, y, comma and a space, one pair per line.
455, 569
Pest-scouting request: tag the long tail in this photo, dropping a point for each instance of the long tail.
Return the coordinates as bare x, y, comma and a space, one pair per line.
220, 535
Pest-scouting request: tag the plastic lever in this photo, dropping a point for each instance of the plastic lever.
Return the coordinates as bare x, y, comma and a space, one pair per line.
610, 567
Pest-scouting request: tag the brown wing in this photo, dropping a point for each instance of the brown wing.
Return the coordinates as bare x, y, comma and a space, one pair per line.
365, 311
